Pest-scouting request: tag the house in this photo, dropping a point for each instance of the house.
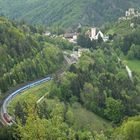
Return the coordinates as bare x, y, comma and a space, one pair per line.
47, 33
72, 37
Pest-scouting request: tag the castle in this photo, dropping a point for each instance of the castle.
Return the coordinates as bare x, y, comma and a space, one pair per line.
131, 13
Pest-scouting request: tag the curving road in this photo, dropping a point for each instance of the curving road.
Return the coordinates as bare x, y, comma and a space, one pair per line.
6, 119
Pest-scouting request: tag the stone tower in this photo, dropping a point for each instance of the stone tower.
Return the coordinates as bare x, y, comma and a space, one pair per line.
93, 33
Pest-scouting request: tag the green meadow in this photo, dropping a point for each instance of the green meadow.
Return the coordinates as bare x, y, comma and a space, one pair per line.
134, 65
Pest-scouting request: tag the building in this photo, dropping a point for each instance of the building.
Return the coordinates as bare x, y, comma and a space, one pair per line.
132, 25
129, 14
47, 33
99, 34
81, 51
94, 35
72, 37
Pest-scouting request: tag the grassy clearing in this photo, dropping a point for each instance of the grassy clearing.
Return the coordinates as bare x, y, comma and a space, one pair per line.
82, 118
37, 92
134, 65
89, 120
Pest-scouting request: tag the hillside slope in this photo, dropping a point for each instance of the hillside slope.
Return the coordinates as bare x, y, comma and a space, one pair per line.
23, 56
66, 13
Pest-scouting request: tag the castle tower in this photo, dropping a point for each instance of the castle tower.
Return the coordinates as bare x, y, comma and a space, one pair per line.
132, 11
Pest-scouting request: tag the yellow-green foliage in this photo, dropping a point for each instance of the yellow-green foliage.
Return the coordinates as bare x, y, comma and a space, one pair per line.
129, 130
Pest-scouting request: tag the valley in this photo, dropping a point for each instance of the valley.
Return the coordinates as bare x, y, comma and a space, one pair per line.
74, 83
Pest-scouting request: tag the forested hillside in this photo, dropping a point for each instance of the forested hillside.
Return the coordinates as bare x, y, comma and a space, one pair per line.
126, 37
26, 55
96, 90
98, 83
66, 13
101, 84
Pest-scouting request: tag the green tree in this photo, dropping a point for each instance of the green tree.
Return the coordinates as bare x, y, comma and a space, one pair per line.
129, 130
114, 110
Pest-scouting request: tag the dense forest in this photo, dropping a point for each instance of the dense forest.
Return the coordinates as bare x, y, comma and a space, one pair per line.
25, 54
100, 82
66, 13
